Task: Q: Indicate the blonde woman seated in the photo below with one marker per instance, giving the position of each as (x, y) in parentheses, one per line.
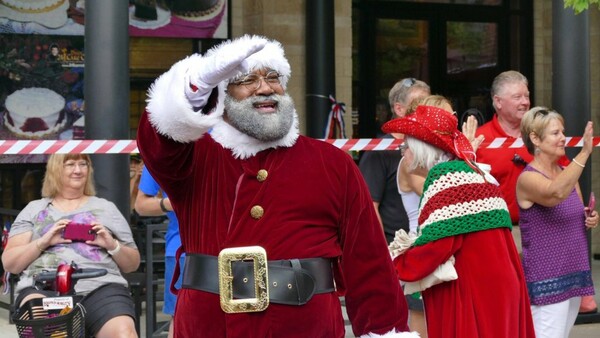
(36, 244)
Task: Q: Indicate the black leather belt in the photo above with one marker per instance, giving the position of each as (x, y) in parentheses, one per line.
(291, 282)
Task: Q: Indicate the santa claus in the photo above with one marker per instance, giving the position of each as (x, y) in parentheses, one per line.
(275, 226)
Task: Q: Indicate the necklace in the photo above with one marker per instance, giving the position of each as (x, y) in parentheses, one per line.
(69, 204)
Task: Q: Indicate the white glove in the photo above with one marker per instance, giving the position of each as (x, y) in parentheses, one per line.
(220, 64)
(402, 242)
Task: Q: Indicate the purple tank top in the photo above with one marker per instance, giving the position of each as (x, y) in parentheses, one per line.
(555, 251)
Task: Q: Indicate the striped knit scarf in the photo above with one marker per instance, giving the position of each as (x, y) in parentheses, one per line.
(457, 200)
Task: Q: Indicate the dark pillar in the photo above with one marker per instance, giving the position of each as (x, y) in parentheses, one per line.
(320, 65)
(107, 94)
(571, 94)
(571, 76)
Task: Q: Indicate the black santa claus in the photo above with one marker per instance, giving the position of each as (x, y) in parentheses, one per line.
(276, 226)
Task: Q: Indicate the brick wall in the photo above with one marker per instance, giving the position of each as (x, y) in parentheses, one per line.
(284, 21)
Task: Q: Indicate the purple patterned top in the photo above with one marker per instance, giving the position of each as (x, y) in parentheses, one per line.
(555, 251)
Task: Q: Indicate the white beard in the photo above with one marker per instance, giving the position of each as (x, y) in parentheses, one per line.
(243, 145)
(243, 116)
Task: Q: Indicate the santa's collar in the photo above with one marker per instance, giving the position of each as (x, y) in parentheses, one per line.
(244, 146)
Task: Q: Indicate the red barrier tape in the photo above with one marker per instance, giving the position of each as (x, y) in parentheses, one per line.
(28, 147)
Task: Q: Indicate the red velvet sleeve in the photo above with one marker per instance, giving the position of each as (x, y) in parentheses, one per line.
(168, 161)
(420, 261)
(374, 299)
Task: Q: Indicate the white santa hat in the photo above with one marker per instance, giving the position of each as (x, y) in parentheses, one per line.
(271, 56)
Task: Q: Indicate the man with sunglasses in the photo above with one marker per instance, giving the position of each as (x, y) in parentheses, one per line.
(275, 225)
(379, 168)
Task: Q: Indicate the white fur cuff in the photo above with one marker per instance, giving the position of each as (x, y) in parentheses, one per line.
(170, 111)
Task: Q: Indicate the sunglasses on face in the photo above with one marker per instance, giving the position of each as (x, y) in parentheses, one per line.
(542, 112)
(518, 160)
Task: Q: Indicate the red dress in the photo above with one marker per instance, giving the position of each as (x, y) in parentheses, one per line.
(315, 204)
(462, 215)
(489, 298)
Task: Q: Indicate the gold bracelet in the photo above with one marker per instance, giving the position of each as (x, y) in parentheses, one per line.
(579, 164)
(37, 244)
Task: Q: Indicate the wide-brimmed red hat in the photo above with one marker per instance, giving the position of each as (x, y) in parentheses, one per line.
(435, 126)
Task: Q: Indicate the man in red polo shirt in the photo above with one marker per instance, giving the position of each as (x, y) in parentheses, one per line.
(510, 97)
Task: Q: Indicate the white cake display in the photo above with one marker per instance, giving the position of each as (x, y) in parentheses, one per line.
(49, 13)
(34, 112)
(32, 6)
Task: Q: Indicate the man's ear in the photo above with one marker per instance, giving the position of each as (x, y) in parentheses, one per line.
(497, 104)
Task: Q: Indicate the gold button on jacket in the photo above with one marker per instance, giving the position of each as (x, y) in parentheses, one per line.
(262, 174)
(257, 212)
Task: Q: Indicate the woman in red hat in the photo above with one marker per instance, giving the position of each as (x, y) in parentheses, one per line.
(463, 260)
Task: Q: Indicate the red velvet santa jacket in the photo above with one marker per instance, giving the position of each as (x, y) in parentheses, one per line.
(315, 203)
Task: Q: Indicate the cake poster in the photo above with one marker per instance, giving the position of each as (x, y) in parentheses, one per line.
(41, 89)
(156, 18)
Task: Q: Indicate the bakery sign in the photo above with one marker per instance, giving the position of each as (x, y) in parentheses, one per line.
(157, 18)
(69, 57)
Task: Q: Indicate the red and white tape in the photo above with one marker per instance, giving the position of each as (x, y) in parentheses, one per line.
(29, 147)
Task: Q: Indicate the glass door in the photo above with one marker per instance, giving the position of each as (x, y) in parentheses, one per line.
(457, 49)
(401, 51)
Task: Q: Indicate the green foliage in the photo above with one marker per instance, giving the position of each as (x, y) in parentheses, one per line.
(580, 5)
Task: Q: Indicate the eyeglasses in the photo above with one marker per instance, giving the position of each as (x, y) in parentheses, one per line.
(252, 81)
(408, 82)
(71, 165)
(518, 160)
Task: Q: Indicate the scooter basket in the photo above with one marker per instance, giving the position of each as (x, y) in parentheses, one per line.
(33, 321)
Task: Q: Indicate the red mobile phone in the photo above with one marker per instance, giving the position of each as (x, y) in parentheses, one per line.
(591, 204)
(79, 232)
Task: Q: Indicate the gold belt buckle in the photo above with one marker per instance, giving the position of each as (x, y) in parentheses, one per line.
(259, 256)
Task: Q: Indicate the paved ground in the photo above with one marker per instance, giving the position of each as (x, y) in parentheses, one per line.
(579, 331)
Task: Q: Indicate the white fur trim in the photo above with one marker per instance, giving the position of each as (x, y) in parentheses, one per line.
(393, 334)
(244, 146)
(171, 113)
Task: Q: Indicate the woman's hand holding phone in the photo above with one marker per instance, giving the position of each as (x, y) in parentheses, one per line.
(591, 205)
(591, 215)
(79, 232)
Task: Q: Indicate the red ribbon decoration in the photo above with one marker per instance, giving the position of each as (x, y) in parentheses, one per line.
(335, 121)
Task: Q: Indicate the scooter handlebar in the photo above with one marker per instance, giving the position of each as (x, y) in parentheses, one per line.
(47, 276)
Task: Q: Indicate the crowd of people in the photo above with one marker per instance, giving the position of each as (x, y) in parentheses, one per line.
(268, 229)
